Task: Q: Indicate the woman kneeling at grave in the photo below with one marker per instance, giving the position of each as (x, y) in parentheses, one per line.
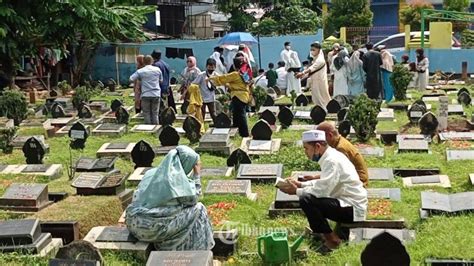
(165, 208)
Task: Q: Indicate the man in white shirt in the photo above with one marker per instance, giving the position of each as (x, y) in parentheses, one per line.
(337, 195)
(261, 79)
(150, 78)
(282, 81)
(293, 66)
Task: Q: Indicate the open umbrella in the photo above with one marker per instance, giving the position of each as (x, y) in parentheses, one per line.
(237, 38)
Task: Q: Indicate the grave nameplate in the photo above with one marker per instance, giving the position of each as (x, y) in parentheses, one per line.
(384, 193)
(364, 234)
(301, 100)
(455, 109)
(413, 137)
(260, 169)
(89, 180)
(460, 155)
(221, 171)
(214, 140)
(143, 154)
(385, 174)
(19, 141)
(456, 136)
(262, 130)
(413, 146)
(73, 262)
(25, 197)
(451, 203)
(116, 234)
(268, 116)
(181, 258)
(145, 128)
(19, 232)
(306, 115)
(285, 201)
(386, 114)
(117, 146)
(427, 179)
(229, 187)
(192, 128)
(260, 145)
(318, 114)
(104, 164)
(109, 127)
(36, 168)
(372, 151)
(222, 121)
(220, 131)
(169, 136)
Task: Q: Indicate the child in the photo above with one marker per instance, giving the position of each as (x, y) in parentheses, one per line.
(207, 88)
(272, 76)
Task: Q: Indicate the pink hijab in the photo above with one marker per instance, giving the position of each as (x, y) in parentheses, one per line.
(193, 63)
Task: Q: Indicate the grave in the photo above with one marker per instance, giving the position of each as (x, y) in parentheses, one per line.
(270, 117)
(386, 114)
(99, 105)
(78, 134)
(405, 172)
(64, 131)
(303, 115)
(50, 171)
(57, 110)
(301, 100)
(345, 129)
(337, 103)
(181, 258)
(215, 143)
(169, 139)
(464, 97)
(268, 101)
(284, 204)
(145, 128)
(122, 115)
(342, 114)
(219, 171)
(142, 154)
(104, 164)
(416, 111)
(428, 124)
(430, 98)
(223, 131)
(93, 122)
(427, 180)
(393, 194)
(19, 141)
(318, 114)
(261, 141)
(25, 198)
(285, 116)
(109, 129)
(381, 174)
(61, 122)
(117, 239)
(116, 149)
(231, 187)
(115, 104)
(302, 127)
(77, 253)
(266, 173)
(455, 109)
(138, 174)
(456, 136)
(238, 157)
(192, 127)
(85, 112)
(67, 231)
(35, 122)
(439, 203)
(453, 155)
(226, 243)
(414, 137)
(167, 117)
(93, 183)
(222, 121)
(413, 146)
(358, 235)
(388, 137)
(25, 236)
(34, 151)
(372, 151)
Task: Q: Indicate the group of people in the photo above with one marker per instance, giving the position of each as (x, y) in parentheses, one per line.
(166, 211)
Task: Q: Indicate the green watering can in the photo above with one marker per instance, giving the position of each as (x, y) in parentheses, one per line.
(276, 249)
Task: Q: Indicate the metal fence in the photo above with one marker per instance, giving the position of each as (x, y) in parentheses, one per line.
(363, 35)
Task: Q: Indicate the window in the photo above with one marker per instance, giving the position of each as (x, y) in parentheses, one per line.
(396, 42)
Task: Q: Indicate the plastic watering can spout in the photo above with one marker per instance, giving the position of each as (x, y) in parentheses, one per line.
(296, 244)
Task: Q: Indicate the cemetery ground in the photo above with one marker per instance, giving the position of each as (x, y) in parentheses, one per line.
(438, 236)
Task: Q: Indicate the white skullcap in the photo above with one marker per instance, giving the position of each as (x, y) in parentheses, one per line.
(314, 135)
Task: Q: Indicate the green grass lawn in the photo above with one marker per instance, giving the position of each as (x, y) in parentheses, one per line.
(438, 237)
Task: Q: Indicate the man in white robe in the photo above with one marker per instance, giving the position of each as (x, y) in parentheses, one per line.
(293, 66)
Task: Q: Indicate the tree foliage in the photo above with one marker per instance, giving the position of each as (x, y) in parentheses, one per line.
(348, 13)
(363, 117)
(291, 19)
(411, 14)
(13, 105)
(82, 24)
(456, 5)
(400, 79)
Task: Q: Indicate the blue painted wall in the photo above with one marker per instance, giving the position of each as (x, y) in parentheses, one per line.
(105, 68)
(385, 14)
(447, 60)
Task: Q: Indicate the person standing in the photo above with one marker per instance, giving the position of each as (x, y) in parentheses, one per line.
(355, 74)
(208, 90)
(282, 81)
(272, 76)
(338, 67)
(150, 78)
(261, 79)
(238, 83)
(136, 85)
(166, 91)
(372, 62)
(387, 69)
(217, 56)
(422, 64)
(317, 76)
(337, 195)
(188, 75)
(293, 66)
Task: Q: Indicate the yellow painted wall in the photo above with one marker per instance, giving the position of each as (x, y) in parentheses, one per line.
(402, 4)
(325, 9)
(440, 35)
(343, 34)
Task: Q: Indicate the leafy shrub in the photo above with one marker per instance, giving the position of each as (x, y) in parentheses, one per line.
(64, 87)
(411, 14)
(82, 95)
(294, 159)
(400, 79)
(6, 137)
(467, 39)
(260, 95)
(363, 117)
(13, 105)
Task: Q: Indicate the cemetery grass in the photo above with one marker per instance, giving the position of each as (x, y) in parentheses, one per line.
(438, 236)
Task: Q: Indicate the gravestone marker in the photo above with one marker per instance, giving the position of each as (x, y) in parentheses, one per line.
(455, 109)
(104, 164)
(337, 103)
(385, 174)
(260, 172)
(425, 179)
(220, 131)
(428, 180)
(145, 128)
(260, 145)
(413, 146)
(182, 258)
(385, 247)
(262, 131)
(77, 253)
(301, 100)
(114, 106)
(342, 114)
(386, 114)
(218, 143)
(303, 115)
(464, 98)
(68, 231)
(94, 183)
(238, 157)
(168, 116)
(269, 101)
(169, 136)
(36, 168)
(25, 197)
(452, 135)
(222, 121)
(89, 180)
(142, 154)
(34, 151)
(344, 128)
(318, 114)
(122, 115)
(428, 124)
(109, 129)
(219, 171)
(57, 110)
(285, 201)
(364, 234)
(85, 112)
(285, 116)
(238, 187)
(78, 135)
(415, 112)
(24, 236)
(192, 127)
(115, 149)
(269, 116)
(388, 137)
(384, 193)
(435, 202)
(459, 155)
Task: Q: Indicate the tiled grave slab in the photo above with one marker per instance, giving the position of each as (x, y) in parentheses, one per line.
(453, 155)
(372, 151)
(109, 129)
(234, 187)
(406, 145)
(260, 172)
(218, 171)
(366, 234)
(393, 194)
(115, 149)
(382, 174)
(181, 258)
(428, 180)
(52, 171)
(468, 136)
(145, 128)
(255, 147)
(138, 174)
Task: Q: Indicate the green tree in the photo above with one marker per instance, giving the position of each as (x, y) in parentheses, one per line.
(347, 13)
(294, 19)
(456, 5)
(70, 25)
(411, 14)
